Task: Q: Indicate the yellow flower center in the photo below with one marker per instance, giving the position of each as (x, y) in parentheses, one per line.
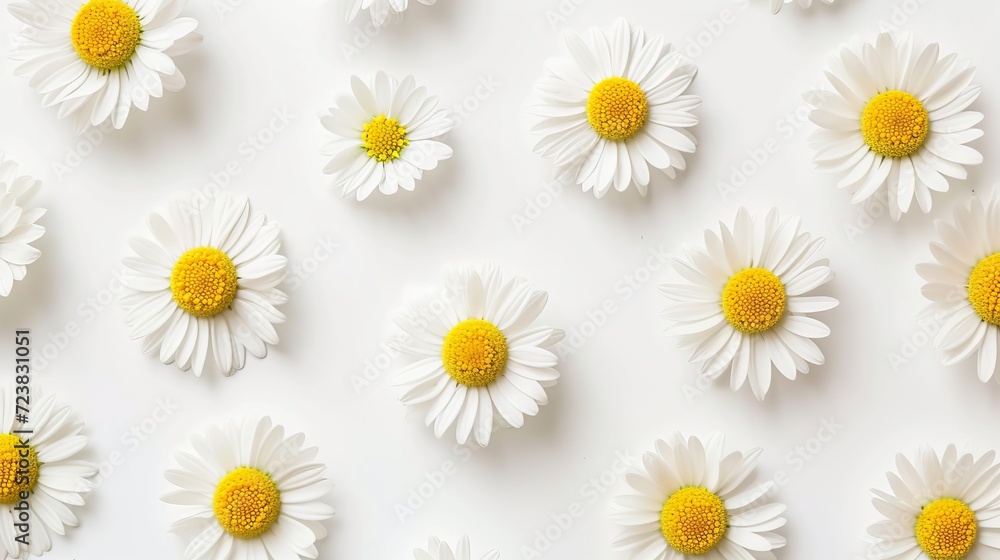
(204, 281)
(18, 468)
(946, 529)
(894, 124)
(694, 520)
(247, 502)
(474, 352)
(106, 33)
(753, 300)
(617, 108)
(384, 139)
(984, 289)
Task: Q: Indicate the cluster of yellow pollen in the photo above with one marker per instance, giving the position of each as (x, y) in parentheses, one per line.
(894, 124)
(18, 468)
(617, 108)
(105, 33)
(984, 289)
(247, 502)
(694, 520)
(753, 300)
(474, 352)
(204, 282)
(946, 529)
(384, 139)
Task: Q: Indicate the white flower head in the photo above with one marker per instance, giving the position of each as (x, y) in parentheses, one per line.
(18, 227)
(896, 118)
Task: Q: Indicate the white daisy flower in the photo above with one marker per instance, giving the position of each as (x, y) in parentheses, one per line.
(17, 224)
(381, 10)
(615, 109)
(941, 508)
(694, 501)
(776, 4)
(386, 136)
(202, 285)
(962, 283)
(479, 354)
(742, 301)
(437, 550)
(249, 492)
(95, 59)
(896, 117)
(37, 467)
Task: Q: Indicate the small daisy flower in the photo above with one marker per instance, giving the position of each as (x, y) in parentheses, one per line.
(616, 108)
(17, 224)
(437, 550)
(249, 492)
(479, 355)
(776, 4)
(37, 465)
(96, 59)
(386, 136)
(896, 118)
(694, 501)
(962, 284)
(743, 300)
(381, 10)
(940, 508)
(203, 284)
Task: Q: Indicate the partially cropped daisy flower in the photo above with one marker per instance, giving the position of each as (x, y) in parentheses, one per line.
(479, 354)
(249, 492)
(616, 108)
(38, 470)
(380, 10)
(437, 550)
(963, 283)
(692, 500)
(386, 136)
(17, 224)
(897, 117)
(203, 284)
(95, 59)
(776, 4)
(743, 300)
(940, 508)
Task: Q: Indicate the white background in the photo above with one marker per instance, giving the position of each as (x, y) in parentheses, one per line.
(619, 392)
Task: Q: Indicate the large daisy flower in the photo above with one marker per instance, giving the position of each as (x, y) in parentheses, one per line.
(943, 507)
(17, 224)
(380, 10)
(37, 466)
(437, 550)
(386, 136)
(203, 284)
(742, 301)
(962, 283)
(896, 117)
(694, 501)
(776, 4)
(615, 109)
(249, 492)
(95, 59)
(479, 354)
